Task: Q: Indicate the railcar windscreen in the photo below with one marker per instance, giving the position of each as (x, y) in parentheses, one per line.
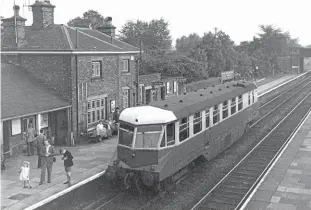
(148, 136)
(126, 133)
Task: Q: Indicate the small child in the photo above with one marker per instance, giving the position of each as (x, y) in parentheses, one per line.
(24, 173)
(68, 163)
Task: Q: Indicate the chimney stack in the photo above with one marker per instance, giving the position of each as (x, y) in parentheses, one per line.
(43, 14)
(13, 30)
(107, 27)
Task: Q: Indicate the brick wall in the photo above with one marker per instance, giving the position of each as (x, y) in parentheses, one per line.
(53, 71)
(8, 39)
(42, 16)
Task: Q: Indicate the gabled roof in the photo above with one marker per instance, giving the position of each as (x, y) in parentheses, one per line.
(21, 95)
(185, 105)
(63, 38)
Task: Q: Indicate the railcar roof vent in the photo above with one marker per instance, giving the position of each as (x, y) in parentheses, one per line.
(204, 88)
(219, 89)
(227, 86)
(211, 91)
(239, 85)
(180, 101)
(213, 85)
(136, 120)
(201, 94)
(184, 93)
(165, 105)
(195, 90)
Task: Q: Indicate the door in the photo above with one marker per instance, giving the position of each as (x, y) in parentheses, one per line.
(61, 128)
(6, 135)
(26, 121)
(148, 96)
(163, 92)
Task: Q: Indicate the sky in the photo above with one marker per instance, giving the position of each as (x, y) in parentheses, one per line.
(240, 19)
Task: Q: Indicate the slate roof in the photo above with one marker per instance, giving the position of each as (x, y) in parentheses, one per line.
(21, 95)
(62, 37)
(185, 105)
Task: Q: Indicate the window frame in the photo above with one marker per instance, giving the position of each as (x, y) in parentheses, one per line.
(207, 118)
(249, 98)
(187, 127)
(216, 114)
(197, 120)
(127, 62)
(100, 73)
(225, 110)
(126, 99)
(233, 105)
(240, 102)
(96, 113)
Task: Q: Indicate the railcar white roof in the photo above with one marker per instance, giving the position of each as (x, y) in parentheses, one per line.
(144, 115)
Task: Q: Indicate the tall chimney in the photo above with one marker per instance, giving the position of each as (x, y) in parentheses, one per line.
(107, 27)
(43, 14)
(13, 30)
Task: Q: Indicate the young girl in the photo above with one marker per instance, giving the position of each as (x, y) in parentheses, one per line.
(24, 173)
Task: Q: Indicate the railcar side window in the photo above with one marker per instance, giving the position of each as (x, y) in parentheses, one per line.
(197, 122)
(207, 118)
(184, 129)
(249, 98)
(126, 133)
(148, 136)
(170, 128)
(215, 114)
(224, 109)
(240, 103)
(253, 97)
(233, 106)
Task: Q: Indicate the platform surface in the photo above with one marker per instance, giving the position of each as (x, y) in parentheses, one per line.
(288, 184)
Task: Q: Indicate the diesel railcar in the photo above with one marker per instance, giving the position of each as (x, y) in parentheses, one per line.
(156, 143)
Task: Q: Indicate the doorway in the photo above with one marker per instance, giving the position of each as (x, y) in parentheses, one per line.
(6, 136)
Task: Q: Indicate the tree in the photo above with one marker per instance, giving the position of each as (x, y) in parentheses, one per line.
(90, 18)
(216, 50)
(186, 43)
(154, 35)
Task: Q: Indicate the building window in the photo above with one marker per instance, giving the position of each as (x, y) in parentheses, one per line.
(126, 65)
(167, 87)
(215, 114)
(184, 129)
(175, 87)
(233, 106)
(170, 128)
(197, 122)
(126, 98)
(16, 126)
(96, 69)
(207, 118)
(240, 103)
(249, 98)
(224, 109)
(96, 110)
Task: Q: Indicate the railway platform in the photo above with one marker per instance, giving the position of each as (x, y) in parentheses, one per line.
(90, 162)
(288, 184)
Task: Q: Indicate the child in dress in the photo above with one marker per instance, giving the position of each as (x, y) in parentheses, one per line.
(24, 173)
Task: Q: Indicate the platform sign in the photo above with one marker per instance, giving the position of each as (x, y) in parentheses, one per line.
(227, 75)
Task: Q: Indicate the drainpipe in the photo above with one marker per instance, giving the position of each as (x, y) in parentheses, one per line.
(77, 95)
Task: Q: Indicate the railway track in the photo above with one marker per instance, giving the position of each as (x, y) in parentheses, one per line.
(233, 190)
(267, 110)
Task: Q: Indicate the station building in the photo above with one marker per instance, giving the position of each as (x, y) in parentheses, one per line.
(84, 73)
(155, 87)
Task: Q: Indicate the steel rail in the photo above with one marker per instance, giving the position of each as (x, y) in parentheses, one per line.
(248, 155)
